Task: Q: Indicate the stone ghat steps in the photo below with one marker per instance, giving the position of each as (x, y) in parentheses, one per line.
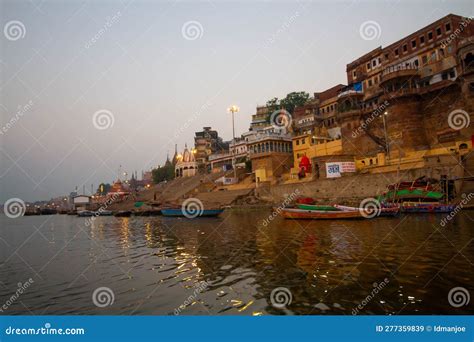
(221, 198)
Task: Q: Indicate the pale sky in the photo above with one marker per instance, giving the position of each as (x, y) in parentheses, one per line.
(66, 60)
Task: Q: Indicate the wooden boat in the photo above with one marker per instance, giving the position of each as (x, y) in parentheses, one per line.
(85, 213)
(301, 214)
(426, 207)
(123, 213)
(305, 200)
(383, 211)
(317, 207)
(180, 213)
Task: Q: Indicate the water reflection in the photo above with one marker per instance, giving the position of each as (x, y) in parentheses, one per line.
(154, 264)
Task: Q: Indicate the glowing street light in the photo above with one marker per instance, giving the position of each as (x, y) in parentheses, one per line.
(233, 109)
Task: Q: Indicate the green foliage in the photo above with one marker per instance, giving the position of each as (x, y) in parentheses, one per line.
(289, 103)
(163, 173)
(293, 100)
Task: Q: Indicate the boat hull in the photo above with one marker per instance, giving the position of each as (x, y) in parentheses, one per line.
(427, 208)
(300, 214)
(180, 213)
(391, 211)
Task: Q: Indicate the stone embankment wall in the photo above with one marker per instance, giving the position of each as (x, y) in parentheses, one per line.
(351, 189)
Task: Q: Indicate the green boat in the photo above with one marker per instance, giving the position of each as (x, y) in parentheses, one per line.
(317, 207)
(412, 193)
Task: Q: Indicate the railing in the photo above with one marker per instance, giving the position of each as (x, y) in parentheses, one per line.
(399, 67)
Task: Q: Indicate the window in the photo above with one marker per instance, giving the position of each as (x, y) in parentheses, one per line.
(438, 31)
(386, 56)
(424, 59)
(396, 52)
(374, 63)
(441, 52)
(433, 56)
(450, 49)
(422, 40)
(430, 36)
(415, 63)
(354, 74)
(368, 66)
(452, 74)
(444, 76)
(297, 142)
(370, 83)
(303, 141)
(447, 26)
(405, 48)
(413, 44)
(376, 79)
(380, 60)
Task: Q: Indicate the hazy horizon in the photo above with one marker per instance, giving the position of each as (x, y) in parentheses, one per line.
(162, 71)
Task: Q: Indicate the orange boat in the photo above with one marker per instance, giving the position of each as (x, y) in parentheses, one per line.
(301, 214)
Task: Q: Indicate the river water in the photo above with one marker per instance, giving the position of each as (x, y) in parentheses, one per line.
(231, 265)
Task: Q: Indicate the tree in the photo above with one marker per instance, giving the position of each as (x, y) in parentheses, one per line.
(293, 100)
(163, 173)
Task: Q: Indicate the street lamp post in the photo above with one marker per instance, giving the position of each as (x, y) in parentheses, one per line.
(233, 109)
(387, 146)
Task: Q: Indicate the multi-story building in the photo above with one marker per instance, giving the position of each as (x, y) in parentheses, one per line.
(270, 152)
(400, 98)
(260, 119)
(206, 143)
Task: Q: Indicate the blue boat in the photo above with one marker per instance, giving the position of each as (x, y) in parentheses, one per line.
(181, 213)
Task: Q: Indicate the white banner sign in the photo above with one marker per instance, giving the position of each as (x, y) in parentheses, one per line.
(333, 170)
(336, 168)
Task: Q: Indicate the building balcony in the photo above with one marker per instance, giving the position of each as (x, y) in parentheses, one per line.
(399, 71)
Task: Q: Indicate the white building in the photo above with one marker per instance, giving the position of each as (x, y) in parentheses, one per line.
(186, 165)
